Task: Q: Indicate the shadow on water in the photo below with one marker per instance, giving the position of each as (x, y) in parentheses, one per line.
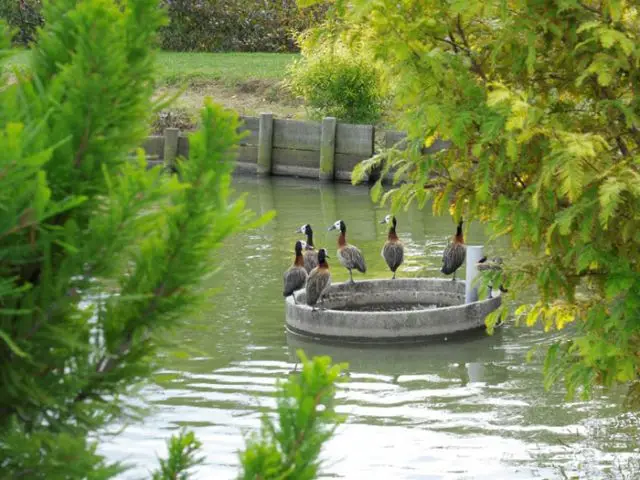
(466, 354)
(454, 410)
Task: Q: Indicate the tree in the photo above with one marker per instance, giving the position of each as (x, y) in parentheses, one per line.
(290, 447)
(286, 449)
(540, 101)
(98, 255)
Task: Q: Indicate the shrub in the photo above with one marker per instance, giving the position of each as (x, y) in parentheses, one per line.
(236, 25)
(202, 25)
(338, 84)
(98, 255)
(23, 16)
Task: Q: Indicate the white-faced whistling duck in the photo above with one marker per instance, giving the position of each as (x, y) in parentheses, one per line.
(310, 253)
(455, 254)
(319, 279)
(393, 249)
(348, 255)
(495, 264)
(296, 276)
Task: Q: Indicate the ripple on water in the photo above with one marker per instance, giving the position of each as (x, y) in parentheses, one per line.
(473, 409)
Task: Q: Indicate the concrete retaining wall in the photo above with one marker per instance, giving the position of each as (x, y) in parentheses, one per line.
(327, 150)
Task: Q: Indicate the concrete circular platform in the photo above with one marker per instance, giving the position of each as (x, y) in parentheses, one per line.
(400, 310)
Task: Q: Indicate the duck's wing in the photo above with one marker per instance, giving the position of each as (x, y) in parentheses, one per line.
(353, 257)
(452, 257)
(310, 260)
(316, 283)
(294, 279)
(393, 254)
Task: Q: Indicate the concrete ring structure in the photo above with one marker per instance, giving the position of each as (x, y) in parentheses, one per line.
(400, 310)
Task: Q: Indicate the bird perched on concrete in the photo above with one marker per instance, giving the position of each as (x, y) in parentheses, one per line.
(495, 264)
(455, 253)
(310, 253)
(393, 249)
(349, 255)
(296, 276)
(319, 280)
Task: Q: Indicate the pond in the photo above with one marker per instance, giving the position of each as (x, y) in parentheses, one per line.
(470, 409)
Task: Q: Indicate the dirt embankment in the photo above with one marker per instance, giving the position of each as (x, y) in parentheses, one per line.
(247, 98)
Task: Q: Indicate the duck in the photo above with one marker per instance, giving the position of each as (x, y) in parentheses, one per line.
(455, 253)
(319, 280)
(296, 276)
(349, 255)
(495, 264)
(393, 249)
(310, 253)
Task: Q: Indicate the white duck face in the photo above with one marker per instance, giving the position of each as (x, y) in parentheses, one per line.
(387, 219)
(336, 226)
(303, 229)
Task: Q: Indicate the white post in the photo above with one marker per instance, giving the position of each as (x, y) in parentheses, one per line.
(474, 254)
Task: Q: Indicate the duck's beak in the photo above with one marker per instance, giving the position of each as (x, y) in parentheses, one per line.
(332, 227)
(383, 221)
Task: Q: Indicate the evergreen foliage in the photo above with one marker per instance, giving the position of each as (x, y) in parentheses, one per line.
(290, 447)
(182, 450)
(287, 448)
(540, 99)
(98, 254)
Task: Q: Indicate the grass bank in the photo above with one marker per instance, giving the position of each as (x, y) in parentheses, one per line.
(227, 68)
(249, 83)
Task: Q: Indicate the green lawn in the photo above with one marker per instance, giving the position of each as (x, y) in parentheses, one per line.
(19, 59)
(229, 68)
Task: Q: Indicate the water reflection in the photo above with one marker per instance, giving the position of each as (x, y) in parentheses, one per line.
(463, 409)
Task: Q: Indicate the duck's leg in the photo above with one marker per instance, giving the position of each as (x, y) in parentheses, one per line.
(394, 276)
(351, 277)
(454, 276)
(294, 298)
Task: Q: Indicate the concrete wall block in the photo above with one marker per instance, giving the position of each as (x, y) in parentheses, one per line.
(244, 167)
(171, 136)
(183, 146)
(265, 144)
(393, 137)
(252, 126)
(355, 139)
(295, 171)
(283, 157)
(154, 146)
(248, 154)
(297, 135)
(328, 149)
(345, 164)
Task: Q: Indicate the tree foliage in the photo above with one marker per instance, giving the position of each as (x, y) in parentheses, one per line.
(539, 99)
(201, 25)
(236, 25)
(335, 82)
(287, 448)
(306, 419)
(24, 16)
(98, 254)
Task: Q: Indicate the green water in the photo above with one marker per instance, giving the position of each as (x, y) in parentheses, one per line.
(473, 409)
